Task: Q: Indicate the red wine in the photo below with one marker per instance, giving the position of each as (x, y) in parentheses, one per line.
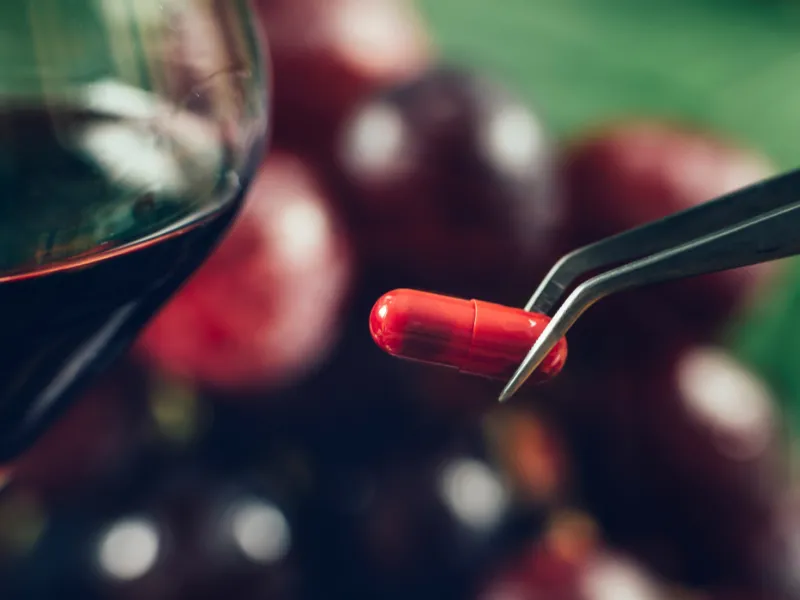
(104, 215)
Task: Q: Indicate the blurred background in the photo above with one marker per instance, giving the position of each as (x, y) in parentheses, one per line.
(256, 444)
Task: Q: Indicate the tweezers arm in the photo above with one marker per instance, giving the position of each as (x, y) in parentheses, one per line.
(771, 236)
(667, 233)
(754, 225)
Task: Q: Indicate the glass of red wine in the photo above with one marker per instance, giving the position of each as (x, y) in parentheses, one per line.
(129, 131)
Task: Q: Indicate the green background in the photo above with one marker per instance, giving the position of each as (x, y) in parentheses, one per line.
(731, 65)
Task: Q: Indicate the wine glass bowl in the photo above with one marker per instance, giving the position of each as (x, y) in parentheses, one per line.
(129, 131)
(111, 136)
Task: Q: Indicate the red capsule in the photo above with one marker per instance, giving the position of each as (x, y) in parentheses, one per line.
(473, 336)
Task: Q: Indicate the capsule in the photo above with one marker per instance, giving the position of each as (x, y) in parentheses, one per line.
(472, 336)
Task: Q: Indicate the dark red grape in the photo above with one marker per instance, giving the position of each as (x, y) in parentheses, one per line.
(265, 308)
(777, 547)
(243, 543)
(550, 571)
(424, 517)
(449, 180)
(174, 532)
(680, 461)
(632, 173)
(716, 444)
(328, 54)
(96, 437)
(431, 515)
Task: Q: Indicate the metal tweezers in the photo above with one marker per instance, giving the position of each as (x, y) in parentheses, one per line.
(756, 224)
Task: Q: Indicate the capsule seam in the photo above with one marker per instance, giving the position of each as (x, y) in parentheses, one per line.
(468, 362)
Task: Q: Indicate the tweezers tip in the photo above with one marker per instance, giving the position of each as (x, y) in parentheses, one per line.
(508, 391)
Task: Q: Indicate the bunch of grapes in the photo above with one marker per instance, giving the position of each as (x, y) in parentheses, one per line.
(257, 445)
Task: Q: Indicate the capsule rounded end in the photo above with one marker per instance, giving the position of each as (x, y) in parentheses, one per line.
(386, 322)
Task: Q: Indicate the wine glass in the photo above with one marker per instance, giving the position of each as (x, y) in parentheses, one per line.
(129, 131)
